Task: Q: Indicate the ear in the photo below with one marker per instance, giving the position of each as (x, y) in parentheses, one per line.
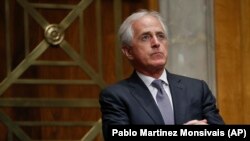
(127, 51)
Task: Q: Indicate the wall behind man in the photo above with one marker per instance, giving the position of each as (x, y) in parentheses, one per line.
(210, 40)
(232, 22)
(190, 28)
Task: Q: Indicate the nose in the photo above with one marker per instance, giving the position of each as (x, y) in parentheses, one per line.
(155, 42)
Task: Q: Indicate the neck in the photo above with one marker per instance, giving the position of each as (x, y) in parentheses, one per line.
(152, 73)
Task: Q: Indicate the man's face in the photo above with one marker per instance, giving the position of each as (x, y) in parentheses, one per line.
(148, 51)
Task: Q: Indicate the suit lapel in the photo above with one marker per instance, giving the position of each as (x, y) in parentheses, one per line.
(178, 96)
(141, 93)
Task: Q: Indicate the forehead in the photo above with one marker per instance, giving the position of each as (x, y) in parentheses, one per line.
(147, 23)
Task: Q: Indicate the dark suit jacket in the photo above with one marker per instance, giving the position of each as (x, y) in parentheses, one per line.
(130, 102)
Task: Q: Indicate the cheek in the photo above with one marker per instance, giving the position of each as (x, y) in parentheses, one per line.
(141, 51)
(165, 49)
(144, 53)
(166, 53)
(140, 56)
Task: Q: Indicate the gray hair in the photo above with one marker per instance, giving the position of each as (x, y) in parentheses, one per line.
(126, 31)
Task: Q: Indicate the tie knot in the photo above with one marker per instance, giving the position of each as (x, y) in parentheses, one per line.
(157, 83)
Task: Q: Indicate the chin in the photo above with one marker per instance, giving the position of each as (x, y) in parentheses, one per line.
(160, 63)
(159, 66)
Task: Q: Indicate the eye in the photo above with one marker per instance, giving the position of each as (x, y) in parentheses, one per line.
(161, 36)
(145, 37)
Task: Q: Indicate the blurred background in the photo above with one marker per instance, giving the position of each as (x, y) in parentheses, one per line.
(56, 56)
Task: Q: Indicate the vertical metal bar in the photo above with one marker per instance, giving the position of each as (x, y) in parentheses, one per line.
(99, 36)
(8, 34)
(81, 34)
(26, 33)
(118, 17)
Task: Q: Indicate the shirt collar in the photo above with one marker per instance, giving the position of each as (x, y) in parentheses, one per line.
(148, 79)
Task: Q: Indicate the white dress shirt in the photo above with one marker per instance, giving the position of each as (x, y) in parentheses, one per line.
(148, 82)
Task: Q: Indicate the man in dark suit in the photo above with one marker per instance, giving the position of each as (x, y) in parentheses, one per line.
(134, 100)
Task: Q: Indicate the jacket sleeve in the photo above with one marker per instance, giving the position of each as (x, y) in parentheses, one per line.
(209, 108)
(113, 110)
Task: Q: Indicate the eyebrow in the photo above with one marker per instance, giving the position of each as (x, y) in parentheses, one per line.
(148, 32)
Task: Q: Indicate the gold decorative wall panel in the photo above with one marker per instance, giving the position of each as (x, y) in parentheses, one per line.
(50, 34)
(56, 56)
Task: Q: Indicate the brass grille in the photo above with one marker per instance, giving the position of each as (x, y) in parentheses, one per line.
(54, 35)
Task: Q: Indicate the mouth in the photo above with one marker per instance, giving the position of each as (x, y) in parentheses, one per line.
(157, 53)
